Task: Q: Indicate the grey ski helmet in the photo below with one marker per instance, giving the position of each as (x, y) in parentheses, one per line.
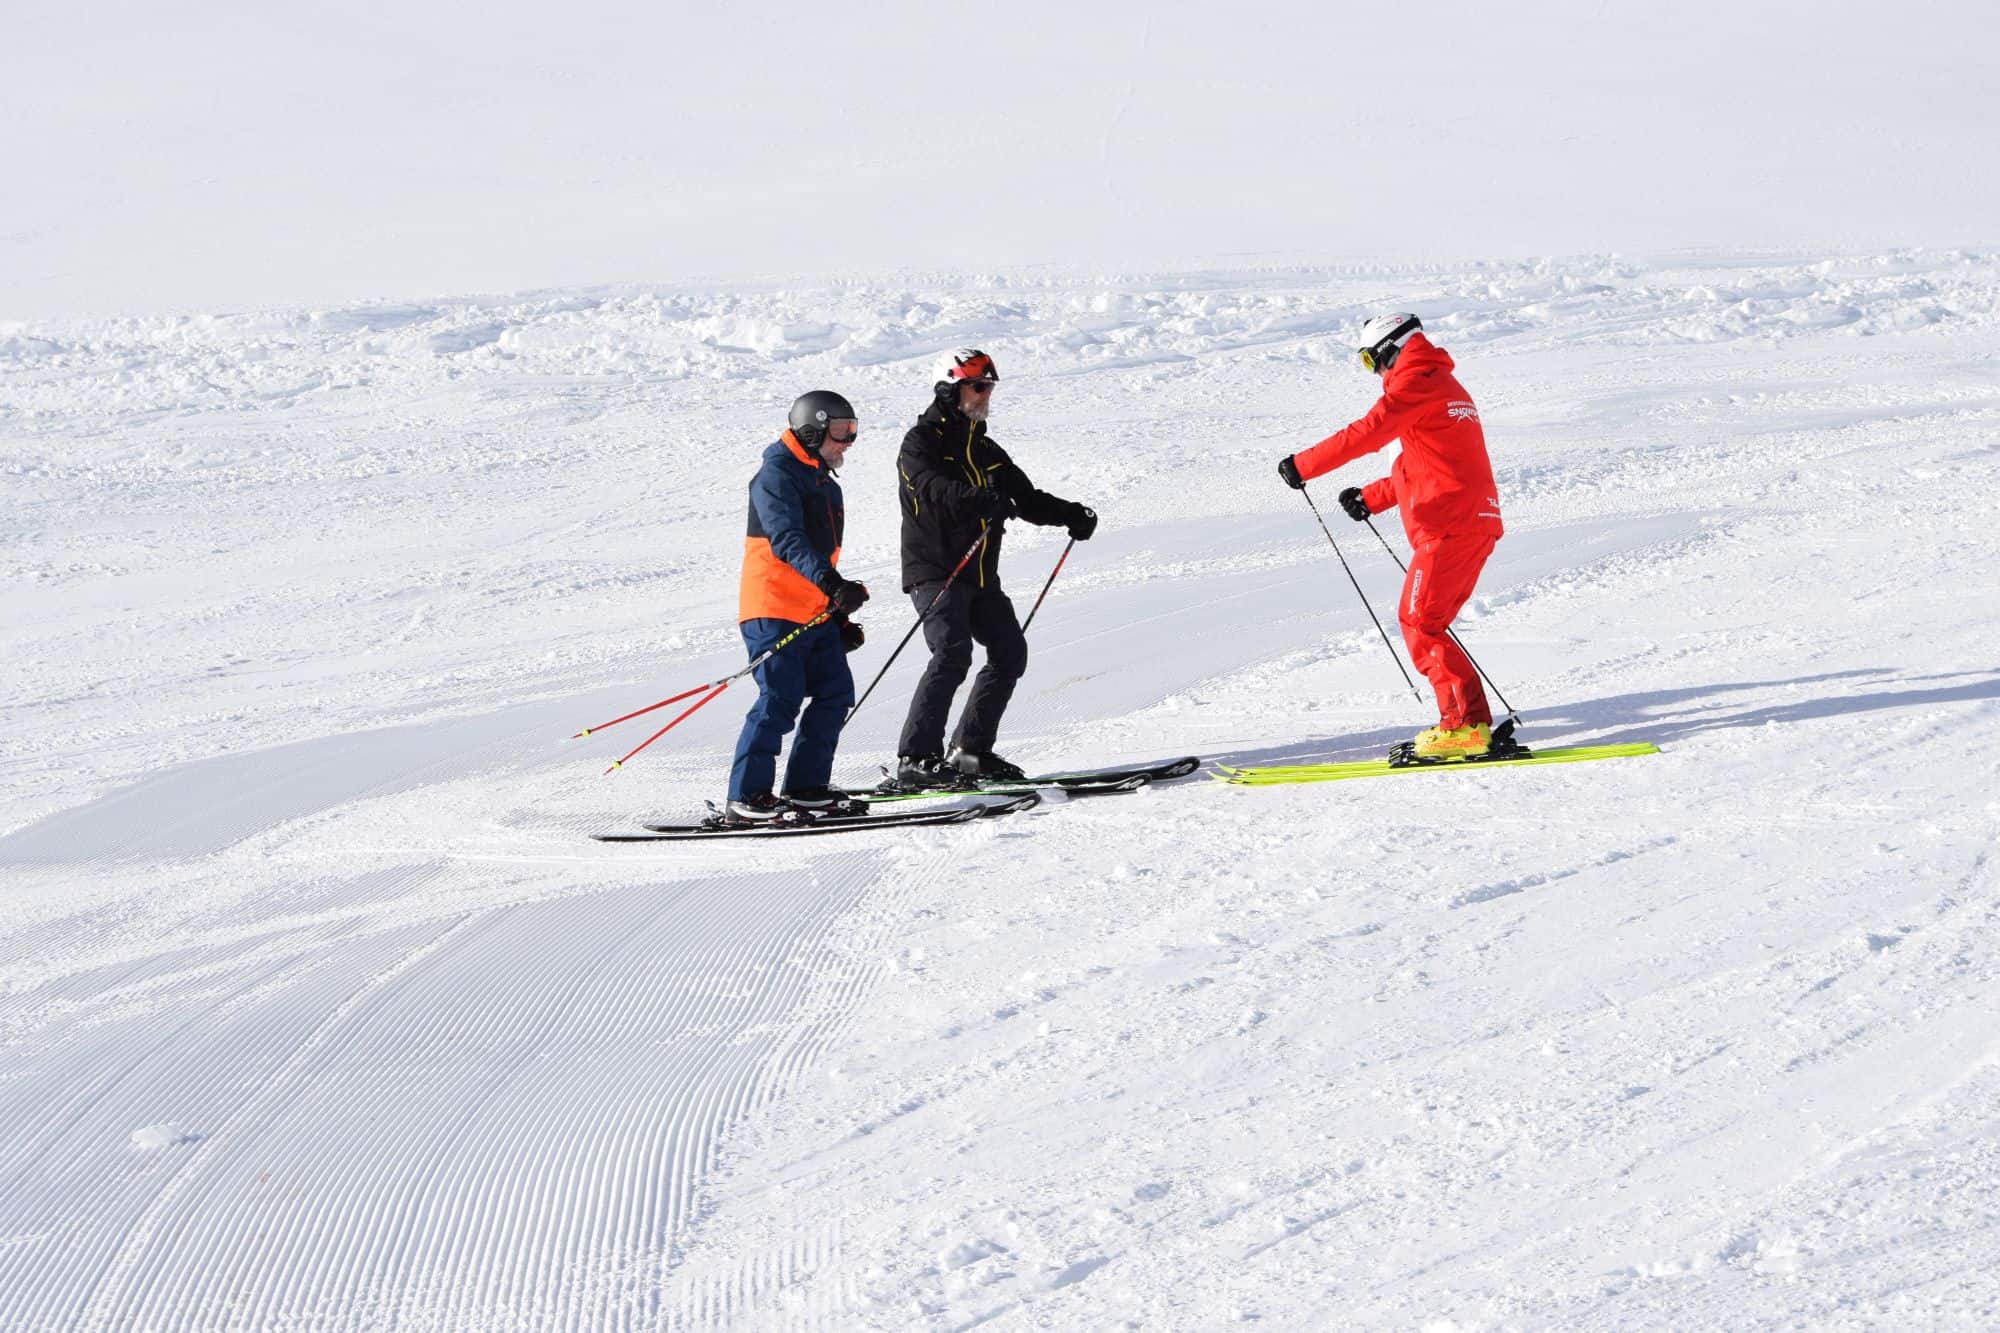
(813, 412)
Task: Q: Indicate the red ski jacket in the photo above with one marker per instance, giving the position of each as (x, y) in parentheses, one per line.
(1443, 479)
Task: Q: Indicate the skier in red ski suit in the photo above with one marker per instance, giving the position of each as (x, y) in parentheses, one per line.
(1443, 481)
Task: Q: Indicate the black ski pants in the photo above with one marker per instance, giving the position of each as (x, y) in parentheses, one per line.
(966, 616)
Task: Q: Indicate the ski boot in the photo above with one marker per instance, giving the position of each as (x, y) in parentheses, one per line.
(927, 772)
(761, 808)
(1444, 745)
(827, 802)
(988, 767)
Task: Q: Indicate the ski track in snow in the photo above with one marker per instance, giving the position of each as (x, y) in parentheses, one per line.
(318, 1010)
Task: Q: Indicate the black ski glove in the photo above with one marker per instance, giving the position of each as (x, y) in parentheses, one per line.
(1356, 507)
(843, 595)
(988, 503)
(1082, 522)
(1289, 470)
(851, 636)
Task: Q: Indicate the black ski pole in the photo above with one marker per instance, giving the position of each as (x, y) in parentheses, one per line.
(970, 551)
(1362, 595)
(1045, 587)
(1448, 629)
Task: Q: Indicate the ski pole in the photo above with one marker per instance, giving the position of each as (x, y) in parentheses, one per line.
(970, 551)
(1448, 629)
(640, 712)
(714, 688)
(1362, 595)
(1045, 587)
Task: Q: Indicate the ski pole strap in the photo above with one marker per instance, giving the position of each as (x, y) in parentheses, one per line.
(963, 560)
(1362, 595)
(1045, 587)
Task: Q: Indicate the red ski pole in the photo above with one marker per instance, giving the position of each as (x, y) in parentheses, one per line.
(714, 688)
(1045, 587)
(640, 712)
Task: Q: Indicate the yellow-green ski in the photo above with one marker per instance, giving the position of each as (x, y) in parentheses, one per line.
(1375, 768)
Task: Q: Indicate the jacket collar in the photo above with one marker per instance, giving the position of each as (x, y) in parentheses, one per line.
(798, 451)
(944, 413)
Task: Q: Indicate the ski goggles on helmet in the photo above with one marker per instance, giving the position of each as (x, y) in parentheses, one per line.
(843, 430)
(1381, 355)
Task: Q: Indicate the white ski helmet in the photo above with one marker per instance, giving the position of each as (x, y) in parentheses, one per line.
(960, 365)
(1382, 339)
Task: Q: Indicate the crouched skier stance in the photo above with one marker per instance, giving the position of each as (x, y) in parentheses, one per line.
(790, 557)
(1443, 482)
(956, 484)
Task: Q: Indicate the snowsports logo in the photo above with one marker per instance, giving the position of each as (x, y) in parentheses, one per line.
(1458, 409)
(1416, 588)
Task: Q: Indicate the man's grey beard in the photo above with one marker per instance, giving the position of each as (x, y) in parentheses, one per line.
(976, 409)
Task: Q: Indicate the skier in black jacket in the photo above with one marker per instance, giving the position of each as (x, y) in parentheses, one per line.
(957, 484)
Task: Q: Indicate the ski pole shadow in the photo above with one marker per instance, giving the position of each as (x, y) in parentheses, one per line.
(1665, 716)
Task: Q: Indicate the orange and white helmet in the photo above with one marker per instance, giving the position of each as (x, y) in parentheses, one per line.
(963, 365)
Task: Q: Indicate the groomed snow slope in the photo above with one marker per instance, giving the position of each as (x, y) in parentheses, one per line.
(318, 1009)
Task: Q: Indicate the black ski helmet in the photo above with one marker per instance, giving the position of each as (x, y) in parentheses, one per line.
(813, 412)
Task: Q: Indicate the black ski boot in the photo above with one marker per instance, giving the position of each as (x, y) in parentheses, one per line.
(834, 801)
(988, 767)
(927, 772)
(762, 808)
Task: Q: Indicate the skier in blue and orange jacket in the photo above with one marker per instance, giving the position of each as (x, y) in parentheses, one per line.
(1443, 482)
(791, 557)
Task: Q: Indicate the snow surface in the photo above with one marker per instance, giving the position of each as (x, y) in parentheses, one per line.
(319, 1011)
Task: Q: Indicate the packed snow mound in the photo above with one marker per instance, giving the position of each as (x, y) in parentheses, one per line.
(1049, 326)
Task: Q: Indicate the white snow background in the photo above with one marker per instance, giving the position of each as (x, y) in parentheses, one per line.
(320, 1011)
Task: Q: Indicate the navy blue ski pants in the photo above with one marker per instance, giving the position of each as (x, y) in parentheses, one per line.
(811, 666)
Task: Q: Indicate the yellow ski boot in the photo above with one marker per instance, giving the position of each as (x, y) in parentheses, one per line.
(1470, 741)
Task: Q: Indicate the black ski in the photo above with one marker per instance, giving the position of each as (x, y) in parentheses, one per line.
(1083, 782)
(808, 826)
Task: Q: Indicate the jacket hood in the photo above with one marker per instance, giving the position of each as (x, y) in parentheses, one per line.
(1419, 355)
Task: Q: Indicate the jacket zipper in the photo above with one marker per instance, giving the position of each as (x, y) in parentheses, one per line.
(978, 479)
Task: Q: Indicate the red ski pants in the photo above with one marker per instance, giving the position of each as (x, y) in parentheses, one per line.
(1441, 578)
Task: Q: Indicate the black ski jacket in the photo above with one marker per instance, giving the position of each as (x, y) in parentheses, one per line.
(945, 460)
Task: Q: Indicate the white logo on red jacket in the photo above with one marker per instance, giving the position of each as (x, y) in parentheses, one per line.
(1460, 410)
